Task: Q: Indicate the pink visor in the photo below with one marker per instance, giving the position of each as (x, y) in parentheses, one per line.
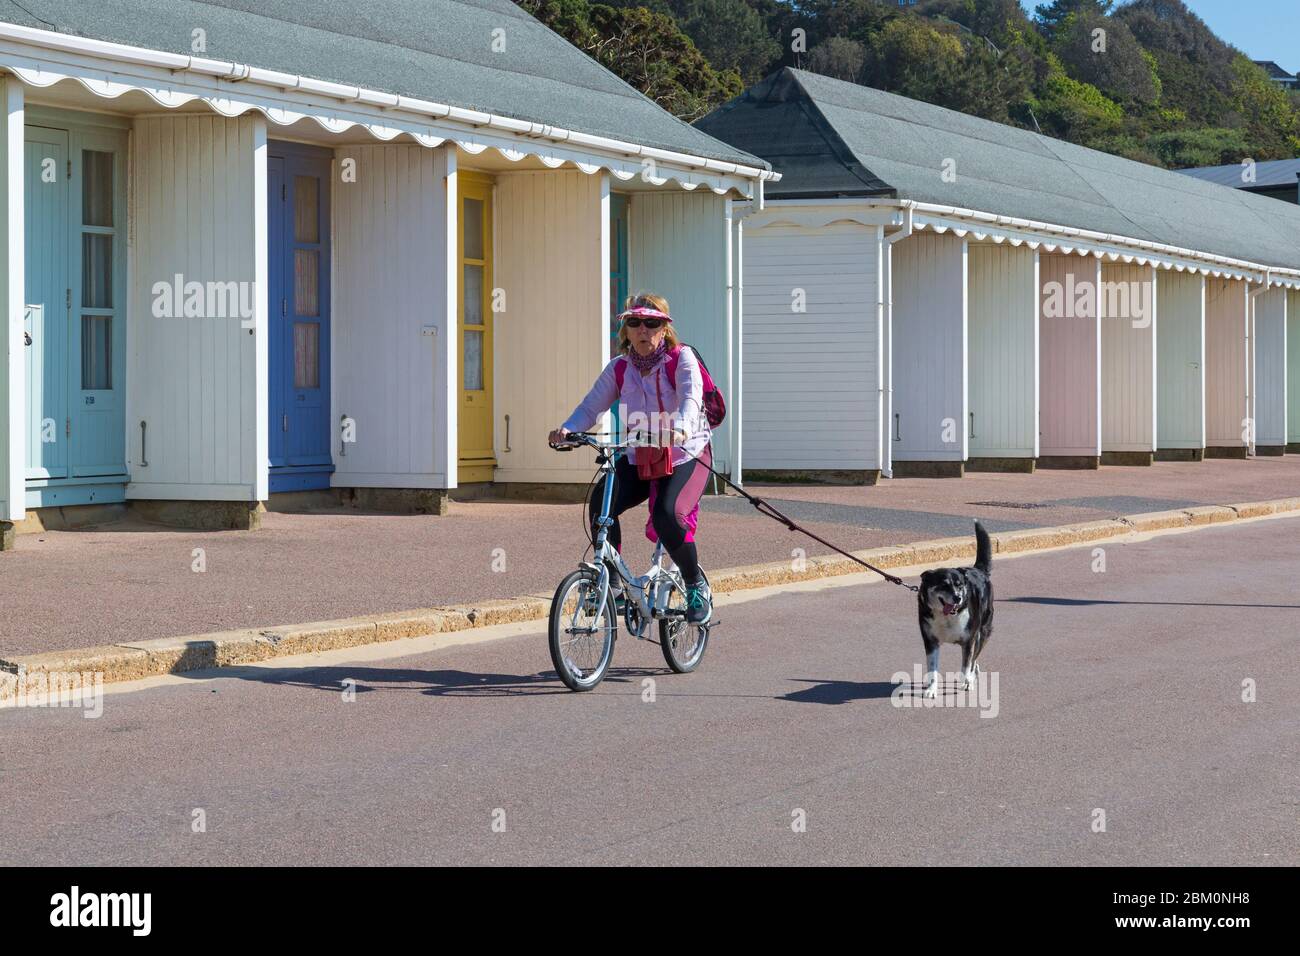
(645, 312)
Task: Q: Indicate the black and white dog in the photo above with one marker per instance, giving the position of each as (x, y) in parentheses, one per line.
(956, 607)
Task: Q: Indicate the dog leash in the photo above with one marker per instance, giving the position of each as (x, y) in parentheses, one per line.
(767, 508)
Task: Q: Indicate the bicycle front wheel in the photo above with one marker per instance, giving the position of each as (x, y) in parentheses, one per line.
(683, 644)
(581, 633)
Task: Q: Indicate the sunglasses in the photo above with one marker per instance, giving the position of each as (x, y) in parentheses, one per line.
(635, 323)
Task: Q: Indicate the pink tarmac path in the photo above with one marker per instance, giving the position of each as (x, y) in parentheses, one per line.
(132, 581)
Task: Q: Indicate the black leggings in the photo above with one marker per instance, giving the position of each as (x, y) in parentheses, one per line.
(675, 494)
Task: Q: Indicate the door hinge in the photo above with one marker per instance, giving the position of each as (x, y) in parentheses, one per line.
(284, 306)
(67, 427)
(284, 191)
(67, 299)
(284, 422)
(69, 169)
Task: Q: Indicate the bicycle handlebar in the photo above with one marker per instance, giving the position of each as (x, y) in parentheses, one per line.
(574, 439)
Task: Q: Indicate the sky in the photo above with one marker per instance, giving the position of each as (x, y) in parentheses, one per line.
(1262, 29)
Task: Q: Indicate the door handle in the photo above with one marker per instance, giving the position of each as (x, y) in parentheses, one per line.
(27, 337)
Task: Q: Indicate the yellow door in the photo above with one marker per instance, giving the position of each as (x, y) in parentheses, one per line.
(475, 328)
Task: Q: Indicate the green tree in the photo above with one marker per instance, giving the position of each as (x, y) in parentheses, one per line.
(1078, 112)
(645, 49)
(1002, 22)
(1194, 66)
(730, 33)
(1051, 16)
(1266, 111)
(780, 18)
(1165, 90)
(1205, 146)
(839, 57)
(940, 65)
(1103, 51)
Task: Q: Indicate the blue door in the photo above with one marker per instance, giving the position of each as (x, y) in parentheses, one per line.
(298, 182)
(45, 320)
(74, 318)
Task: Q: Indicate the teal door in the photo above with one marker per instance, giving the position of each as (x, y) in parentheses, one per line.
(75, 190)
(96, 334)
(617, 278)
(617, 262)
(46, 316)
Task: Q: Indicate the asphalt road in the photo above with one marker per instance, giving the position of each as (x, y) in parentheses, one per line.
(1117, 691)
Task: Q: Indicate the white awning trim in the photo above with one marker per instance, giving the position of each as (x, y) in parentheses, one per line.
(986, 227)
(42, 58)
(1109, 248)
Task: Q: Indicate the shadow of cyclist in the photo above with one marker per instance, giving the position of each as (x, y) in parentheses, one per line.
(433, 683)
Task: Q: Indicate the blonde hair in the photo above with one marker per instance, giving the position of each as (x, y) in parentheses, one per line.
(647, 300)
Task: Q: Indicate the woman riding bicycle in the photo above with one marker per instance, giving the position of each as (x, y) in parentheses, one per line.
(646, 340)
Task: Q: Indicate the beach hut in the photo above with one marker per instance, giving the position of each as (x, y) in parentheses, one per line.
(928, 292)
(372, 250)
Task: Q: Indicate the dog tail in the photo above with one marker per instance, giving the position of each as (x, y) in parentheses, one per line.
(983, 550)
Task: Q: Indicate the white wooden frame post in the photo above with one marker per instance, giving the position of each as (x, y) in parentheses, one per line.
(261, 316)
(1038, 354)
(604, 328)
(13, 367)
(1155, 360)
(446, 452)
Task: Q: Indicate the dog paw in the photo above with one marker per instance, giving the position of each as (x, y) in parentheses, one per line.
(968, 678)
(932, 690)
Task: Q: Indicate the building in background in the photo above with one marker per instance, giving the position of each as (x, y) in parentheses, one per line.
(367, 249)
(1278, 75)
(927, 292)
(1277, 179)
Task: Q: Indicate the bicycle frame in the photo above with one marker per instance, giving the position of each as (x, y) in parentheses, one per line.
(651, 598)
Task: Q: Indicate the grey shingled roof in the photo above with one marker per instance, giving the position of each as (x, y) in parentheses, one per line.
(437, 50)
(1274, 71)
(877, 143)
(778, 120)
(1273, 173)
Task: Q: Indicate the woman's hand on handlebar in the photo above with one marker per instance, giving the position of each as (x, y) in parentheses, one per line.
(557, 436)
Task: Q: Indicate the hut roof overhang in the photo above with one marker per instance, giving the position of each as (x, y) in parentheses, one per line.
(480, 73)
(846, 141)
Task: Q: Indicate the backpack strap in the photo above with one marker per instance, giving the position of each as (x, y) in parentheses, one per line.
(620, 369)
(670, 365)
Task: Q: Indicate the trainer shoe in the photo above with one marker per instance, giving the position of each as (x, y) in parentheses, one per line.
(699, 603)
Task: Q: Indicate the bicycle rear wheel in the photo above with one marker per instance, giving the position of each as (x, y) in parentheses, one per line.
(581, 634)
(683, 644)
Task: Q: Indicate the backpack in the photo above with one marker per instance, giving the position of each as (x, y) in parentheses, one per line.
(715, 406)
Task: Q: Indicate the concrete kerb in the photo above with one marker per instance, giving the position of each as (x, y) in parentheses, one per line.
(139, 659)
